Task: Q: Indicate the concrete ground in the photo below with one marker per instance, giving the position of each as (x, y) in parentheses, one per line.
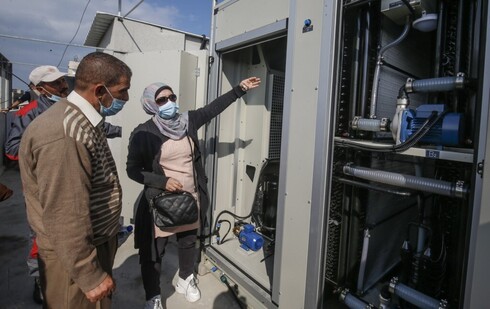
(16, 286)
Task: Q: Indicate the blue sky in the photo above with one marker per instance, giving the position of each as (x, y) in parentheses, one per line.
(58, 20)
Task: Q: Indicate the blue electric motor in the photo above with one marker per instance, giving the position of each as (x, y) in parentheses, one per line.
(250, 240)
(448, 131)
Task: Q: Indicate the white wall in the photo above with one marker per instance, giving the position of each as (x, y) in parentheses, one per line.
(132, 36)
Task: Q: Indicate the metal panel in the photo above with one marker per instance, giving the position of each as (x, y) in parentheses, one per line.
(187, 82)
(252, 35)
(298, 155)
(238, 17)
(478, 272)
(314, 287)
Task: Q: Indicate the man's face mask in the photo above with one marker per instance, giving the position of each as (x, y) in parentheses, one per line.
(52, 97)
(116, 106)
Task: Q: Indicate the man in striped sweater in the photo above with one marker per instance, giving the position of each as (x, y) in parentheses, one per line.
(72, 189)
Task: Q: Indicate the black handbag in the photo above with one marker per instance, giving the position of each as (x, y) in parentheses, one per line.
(171, 209)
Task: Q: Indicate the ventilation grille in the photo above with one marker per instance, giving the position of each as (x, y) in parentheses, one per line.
(276, 117)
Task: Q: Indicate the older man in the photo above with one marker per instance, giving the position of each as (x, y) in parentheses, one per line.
(72, 189)
(52, 86)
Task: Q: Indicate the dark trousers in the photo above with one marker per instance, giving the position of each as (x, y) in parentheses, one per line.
(150, 270)
(60, 291)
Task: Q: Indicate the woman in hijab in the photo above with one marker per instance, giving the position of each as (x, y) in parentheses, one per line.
(164, 154)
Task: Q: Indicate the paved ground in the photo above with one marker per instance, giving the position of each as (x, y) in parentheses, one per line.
(16, 286)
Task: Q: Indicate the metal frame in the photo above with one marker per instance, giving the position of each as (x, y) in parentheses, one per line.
(477, 271)
(322, 176)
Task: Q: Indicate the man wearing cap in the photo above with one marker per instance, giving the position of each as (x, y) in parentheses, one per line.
(51, 84)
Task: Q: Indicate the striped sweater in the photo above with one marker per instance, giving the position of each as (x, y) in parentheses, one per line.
(72, 190)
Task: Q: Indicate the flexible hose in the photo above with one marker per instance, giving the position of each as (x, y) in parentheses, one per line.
(405, 181)
(353, 302)
(435, 84)
(415, 297)
(373, 125)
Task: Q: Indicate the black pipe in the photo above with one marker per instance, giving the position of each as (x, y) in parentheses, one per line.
(372, 187)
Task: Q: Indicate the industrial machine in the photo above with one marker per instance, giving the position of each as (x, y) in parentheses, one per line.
(354, 176)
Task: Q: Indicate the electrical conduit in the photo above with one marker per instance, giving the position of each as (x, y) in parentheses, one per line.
(408, 181)
(440, 84)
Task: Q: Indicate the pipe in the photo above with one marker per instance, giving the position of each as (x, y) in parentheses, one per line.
(436, 84)
(415, 297)
(352, 301)
(385, 298)
(373, 125)
(363, 262)
(440, 187)
(371, 187)
(379, 63)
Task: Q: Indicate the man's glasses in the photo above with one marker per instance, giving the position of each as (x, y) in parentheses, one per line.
(163, 100)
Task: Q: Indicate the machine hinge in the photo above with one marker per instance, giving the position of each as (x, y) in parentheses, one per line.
(479, 168)
(197, 72)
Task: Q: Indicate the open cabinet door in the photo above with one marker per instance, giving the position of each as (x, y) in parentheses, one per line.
(247, 140)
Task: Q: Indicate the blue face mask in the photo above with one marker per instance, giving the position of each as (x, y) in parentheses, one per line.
(116, 106)
(168, 110)
(53, 98)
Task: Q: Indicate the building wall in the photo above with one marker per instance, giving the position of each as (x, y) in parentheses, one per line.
(132, 36)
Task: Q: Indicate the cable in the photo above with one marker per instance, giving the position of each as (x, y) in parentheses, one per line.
(222, 240)
(76, 32)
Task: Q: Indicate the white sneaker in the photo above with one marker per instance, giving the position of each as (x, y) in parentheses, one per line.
(154, 303)
(189, 288)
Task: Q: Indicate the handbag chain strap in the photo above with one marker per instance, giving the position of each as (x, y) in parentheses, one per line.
(193, 168)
